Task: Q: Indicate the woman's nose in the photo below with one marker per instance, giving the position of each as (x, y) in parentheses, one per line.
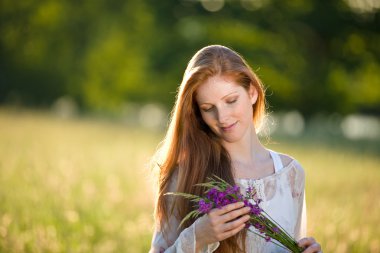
(222, 116)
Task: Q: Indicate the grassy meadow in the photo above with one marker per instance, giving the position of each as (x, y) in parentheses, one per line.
(83, 185)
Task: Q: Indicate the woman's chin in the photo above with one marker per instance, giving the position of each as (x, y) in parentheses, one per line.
(231, 139)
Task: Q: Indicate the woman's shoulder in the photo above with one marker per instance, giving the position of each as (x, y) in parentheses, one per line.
(293, 173)
(289, 161)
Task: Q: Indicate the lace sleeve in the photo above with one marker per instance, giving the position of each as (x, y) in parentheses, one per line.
(173, 241)
(185, 243)
(300, 231)
(301, 224)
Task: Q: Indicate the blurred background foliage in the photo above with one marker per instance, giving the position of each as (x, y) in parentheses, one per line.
(316, 56)
(80, 184)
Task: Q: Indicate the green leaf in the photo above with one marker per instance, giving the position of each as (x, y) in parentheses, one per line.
(182, 194)
(192, 214)
(207, 185)
(221, 180)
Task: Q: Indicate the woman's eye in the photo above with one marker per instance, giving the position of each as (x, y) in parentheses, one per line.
(207, 109)
(231, 101)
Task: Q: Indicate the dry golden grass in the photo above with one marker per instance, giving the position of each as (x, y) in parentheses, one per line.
(82, 185)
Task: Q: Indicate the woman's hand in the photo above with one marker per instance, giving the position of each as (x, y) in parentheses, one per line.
(220, 224)
(310, 245)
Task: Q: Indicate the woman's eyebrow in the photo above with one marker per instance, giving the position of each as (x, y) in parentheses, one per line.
(229, 94)
(221, 98)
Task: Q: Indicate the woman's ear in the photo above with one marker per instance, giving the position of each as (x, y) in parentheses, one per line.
(253, 94)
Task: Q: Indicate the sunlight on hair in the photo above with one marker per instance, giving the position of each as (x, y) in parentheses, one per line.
(269, 125)
(285, 123)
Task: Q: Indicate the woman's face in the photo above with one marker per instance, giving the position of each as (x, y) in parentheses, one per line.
(226, 107)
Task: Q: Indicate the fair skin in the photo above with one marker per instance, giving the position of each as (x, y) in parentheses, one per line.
(227, 109)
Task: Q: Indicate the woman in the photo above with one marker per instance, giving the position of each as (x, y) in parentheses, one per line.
(213, 131)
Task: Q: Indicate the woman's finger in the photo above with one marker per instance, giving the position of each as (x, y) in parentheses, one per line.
(234, 214)
(236, 223)
(310, 245)
(226, 209)
(313, 248)
(305, 242)
(231, 232)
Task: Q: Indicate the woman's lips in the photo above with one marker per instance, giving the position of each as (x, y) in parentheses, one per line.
(228, 128)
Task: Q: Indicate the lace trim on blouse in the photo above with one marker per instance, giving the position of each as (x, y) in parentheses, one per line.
(282, 194)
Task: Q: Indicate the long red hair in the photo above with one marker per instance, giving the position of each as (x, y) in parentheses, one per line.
(190, 147)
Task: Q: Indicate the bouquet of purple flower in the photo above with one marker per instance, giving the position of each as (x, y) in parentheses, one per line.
(220, 193)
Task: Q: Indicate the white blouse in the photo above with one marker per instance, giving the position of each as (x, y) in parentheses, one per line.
(283, 198)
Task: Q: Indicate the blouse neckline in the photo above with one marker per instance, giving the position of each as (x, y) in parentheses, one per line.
(276, 173)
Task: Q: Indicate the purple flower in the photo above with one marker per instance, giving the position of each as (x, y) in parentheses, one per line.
(226, 202)
(219, 193)
(236, 189)
(250, 192)
(204, 207)
(260, 227)
(255, 210)
(229, 190)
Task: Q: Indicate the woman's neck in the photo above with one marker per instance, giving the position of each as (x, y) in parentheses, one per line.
(248, 150)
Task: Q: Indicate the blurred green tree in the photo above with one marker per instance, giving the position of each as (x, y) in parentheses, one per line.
(314, 56)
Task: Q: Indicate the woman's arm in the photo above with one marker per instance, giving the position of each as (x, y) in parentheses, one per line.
(309, 243)
(185, 242)
(220, 224)
(205, 233)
